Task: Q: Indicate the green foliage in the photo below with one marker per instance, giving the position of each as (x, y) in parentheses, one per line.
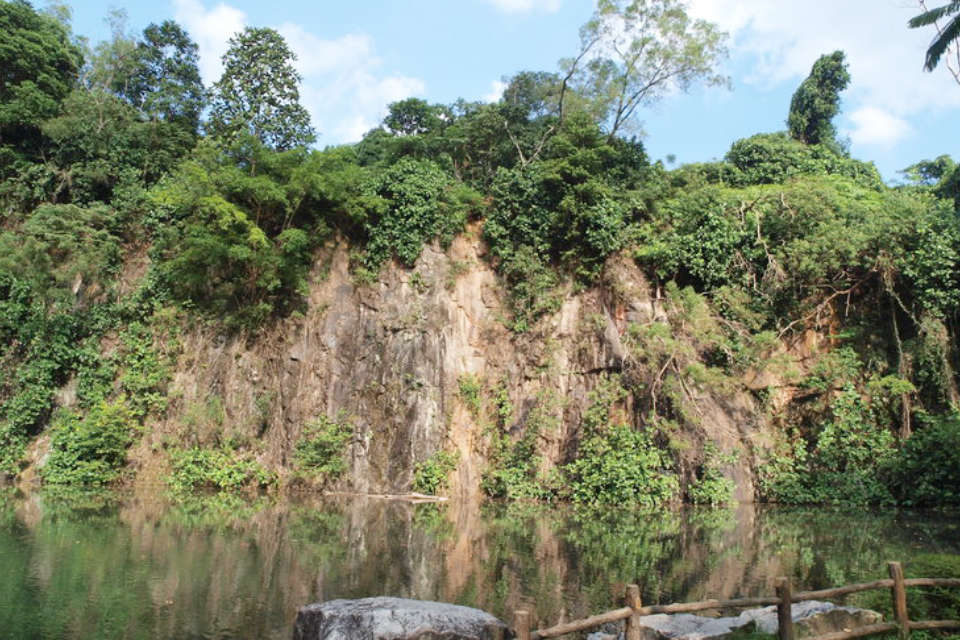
(144, 374)
(817, 100)
(419, 202)
(615, 463)
(711, 486)
(770, 158)
(514, 471)
(471, 392)
(321, 449)
(641, 50)
(90, 450)
(571, 210)
(166, 83)
(101, 143)
(412, 116)
(926, 470)
(947, 35)
(841, 463)
(61, 251)
(40, 63)
(430, 476)
(231, 250)
(258, 93)
(217, 469)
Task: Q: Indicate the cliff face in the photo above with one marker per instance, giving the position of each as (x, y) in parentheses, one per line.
(391, 355)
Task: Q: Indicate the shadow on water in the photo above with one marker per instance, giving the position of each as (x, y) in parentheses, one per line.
(112, 566)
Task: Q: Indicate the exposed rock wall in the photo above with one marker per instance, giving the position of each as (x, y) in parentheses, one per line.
(391, 354)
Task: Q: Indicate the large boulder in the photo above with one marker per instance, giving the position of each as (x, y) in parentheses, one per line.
(394, 619)
(810, 618)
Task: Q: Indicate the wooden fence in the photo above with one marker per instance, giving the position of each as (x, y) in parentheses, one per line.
(633, 609)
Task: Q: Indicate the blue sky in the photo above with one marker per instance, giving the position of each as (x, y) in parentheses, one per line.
(356, 57)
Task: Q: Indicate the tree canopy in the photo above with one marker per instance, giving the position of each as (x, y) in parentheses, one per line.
(39, 63)
(259, 93)
(166, 83)
(817, 100)
(633, 52)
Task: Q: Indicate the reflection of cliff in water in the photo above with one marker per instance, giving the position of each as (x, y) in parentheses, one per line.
(231, 568)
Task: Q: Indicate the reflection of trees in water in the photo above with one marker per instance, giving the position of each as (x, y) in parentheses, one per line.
(823, 547)
(229, 566)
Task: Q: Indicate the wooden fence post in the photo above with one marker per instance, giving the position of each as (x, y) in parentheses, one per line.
(785, 609)
(521, 624)
(899, 593)
(632, 600)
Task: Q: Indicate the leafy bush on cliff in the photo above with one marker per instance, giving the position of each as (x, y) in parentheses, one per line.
(91, 449)
(320, 451)
(218, 469)
(926, 470)
(617, 464)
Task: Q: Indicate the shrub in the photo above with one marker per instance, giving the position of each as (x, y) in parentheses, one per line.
(926, 470)
(841, 463)
(90, 450)
(218, 469)
(420, 202)
(711, 486)
(617, 464)
(320, 450)
(471, 390)
(430, 476)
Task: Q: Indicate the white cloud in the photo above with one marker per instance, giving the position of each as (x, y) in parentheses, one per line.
(344, 86)
(524, 6)
(210, 29)
(873, 126)
(497, 88)
(782, 39)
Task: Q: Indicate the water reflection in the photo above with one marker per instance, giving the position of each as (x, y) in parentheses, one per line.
(109, 566)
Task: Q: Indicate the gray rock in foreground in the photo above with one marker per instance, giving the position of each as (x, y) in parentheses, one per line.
(394, 619)
(810, 618)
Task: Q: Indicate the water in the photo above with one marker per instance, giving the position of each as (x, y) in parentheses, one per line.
(112, 566)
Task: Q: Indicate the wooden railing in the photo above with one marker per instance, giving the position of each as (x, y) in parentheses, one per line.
(633, 610)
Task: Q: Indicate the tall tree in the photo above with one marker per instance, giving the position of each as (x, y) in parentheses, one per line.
(817, 100)
(412, 116)
(947, 38)
(258, 93)
(38, 67)
(634, 52)
(166, 84)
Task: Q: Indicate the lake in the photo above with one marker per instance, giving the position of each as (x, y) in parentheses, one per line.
(114, 565)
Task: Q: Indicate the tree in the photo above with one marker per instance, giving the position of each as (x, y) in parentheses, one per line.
(532, 94)
(113, 62)
(166, 84)
(947, 38)
(258, 93)
(633, 53)
(38, 67)
(412, 116)
(817, 100)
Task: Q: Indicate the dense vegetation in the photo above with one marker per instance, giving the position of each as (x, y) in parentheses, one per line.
(105, 154)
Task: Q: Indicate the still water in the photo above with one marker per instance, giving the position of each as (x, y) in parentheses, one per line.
(123, 566)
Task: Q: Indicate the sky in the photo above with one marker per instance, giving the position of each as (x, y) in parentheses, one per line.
(357, 57)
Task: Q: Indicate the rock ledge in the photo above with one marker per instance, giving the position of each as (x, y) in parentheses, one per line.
(394, 619)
